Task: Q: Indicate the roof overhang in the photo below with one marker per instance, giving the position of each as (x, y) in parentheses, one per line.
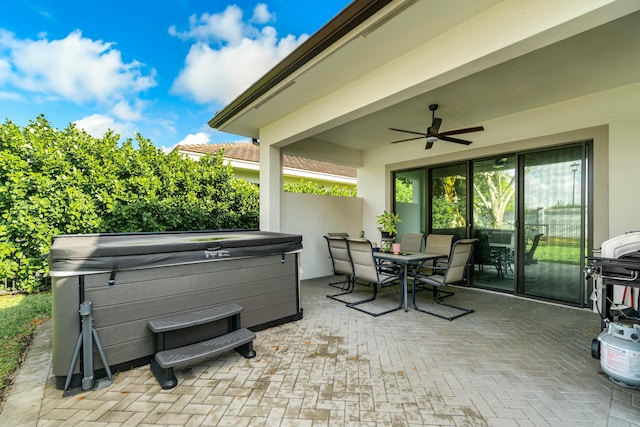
(351, 17)
(379, 64)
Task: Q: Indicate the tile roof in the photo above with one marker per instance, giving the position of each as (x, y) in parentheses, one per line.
(248, 152)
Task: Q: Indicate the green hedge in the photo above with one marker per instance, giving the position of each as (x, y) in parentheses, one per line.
(65, 182)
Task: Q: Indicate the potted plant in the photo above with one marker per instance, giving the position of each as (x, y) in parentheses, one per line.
(388, 222)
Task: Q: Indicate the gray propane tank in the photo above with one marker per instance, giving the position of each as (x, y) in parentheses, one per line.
(619, 354)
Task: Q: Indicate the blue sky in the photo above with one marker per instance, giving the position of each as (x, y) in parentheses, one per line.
(161, 68)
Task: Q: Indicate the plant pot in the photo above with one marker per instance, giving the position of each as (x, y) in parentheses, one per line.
(386, 241)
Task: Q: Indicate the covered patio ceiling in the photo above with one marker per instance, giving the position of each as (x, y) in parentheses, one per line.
(597, 52)
(603, 58)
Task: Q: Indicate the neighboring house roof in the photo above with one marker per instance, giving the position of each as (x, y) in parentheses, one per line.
(292, 165)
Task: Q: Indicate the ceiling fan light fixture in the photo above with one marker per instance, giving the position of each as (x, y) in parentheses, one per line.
(433, 132)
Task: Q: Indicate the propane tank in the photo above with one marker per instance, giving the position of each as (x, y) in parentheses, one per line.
(619, 354)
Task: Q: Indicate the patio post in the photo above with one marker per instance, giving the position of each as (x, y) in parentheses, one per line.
(270, 186)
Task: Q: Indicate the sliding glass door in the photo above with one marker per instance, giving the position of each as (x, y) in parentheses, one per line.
(409, 200)
(494, 210)
(552, 237)
(527, 210)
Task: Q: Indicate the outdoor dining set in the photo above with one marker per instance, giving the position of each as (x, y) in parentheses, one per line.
(429, 262)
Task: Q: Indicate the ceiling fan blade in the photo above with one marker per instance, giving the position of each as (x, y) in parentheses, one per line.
(428, 145)
(456, 140)
(435, 126)
(408, 139)
(459, 131)
(408, 131)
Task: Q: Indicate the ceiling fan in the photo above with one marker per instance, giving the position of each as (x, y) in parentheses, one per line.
(433, 135)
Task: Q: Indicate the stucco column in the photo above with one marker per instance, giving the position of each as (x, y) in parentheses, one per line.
(270, 187)
(624, 152)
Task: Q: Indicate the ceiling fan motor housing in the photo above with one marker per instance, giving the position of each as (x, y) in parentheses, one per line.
(433, 132)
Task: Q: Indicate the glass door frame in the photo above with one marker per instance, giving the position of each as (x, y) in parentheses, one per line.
(586, 212)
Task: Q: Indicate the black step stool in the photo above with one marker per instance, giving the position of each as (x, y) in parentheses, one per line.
(238, 339)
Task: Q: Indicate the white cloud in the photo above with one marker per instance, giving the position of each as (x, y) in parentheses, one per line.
(5, 69)
(97, 125)
(197, 138)
(229, 55)
(74, 68)
(12, 96)
(261, 14)
(226, 26)
(124, 111)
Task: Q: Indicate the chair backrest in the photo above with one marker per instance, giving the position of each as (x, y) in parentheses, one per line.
(482, 251)
(338, 234)
(528, 255)
(438, 244)
(361, 253)
(459, 259)
(411, 242)
(339, 253)
(504, 237)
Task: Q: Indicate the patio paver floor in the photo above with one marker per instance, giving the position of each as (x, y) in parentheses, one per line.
(514, 362)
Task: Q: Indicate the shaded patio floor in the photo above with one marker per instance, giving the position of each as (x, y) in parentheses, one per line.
(513, 362)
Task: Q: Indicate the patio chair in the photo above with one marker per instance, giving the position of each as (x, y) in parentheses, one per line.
(411, 242)
(366, 269)
(453, 272)
(338, 234)
(341, 264)
(528, 255)
(437, 244)
(482, 253)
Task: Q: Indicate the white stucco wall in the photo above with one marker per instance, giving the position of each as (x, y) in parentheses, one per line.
(624, 175)
(313, 216)
(617, 153)
(611, 118)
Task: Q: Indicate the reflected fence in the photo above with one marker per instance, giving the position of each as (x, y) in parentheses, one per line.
(555, 234)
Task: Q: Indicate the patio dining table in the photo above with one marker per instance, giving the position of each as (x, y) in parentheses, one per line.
(405, 259)
(502, 251)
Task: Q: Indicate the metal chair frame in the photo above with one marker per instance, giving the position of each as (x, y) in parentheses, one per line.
(366, 269)
(460, 259)
(341, 264)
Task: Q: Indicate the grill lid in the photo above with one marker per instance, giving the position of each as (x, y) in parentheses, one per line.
(619, 246)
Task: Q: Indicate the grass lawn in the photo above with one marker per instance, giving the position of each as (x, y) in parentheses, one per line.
(554, 253)
(20, 316)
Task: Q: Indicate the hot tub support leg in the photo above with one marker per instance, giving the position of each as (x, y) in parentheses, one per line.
(85, 343)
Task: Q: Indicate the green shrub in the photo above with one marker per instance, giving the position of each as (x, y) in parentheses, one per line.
(309, 187)
(67, 182)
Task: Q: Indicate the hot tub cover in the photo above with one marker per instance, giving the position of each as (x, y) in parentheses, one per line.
(78, 254)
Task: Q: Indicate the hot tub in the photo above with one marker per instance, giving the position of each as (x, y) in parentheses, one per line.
(132, 278)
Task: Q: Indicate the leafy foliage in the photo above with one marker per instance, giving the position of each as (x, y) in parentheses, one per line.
(404, 190)
(494, 194)
(309, 187)
(66, 182)
(388, 222)
(449, 202)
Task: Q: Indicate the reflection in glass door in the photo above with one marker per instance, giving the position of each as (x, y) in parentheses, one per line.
(552, 225)
(448, 209)
(494, 207)
(409, 200)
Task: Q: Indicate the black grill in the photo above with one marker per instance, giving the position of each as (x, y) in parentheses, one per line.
(618, 265)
